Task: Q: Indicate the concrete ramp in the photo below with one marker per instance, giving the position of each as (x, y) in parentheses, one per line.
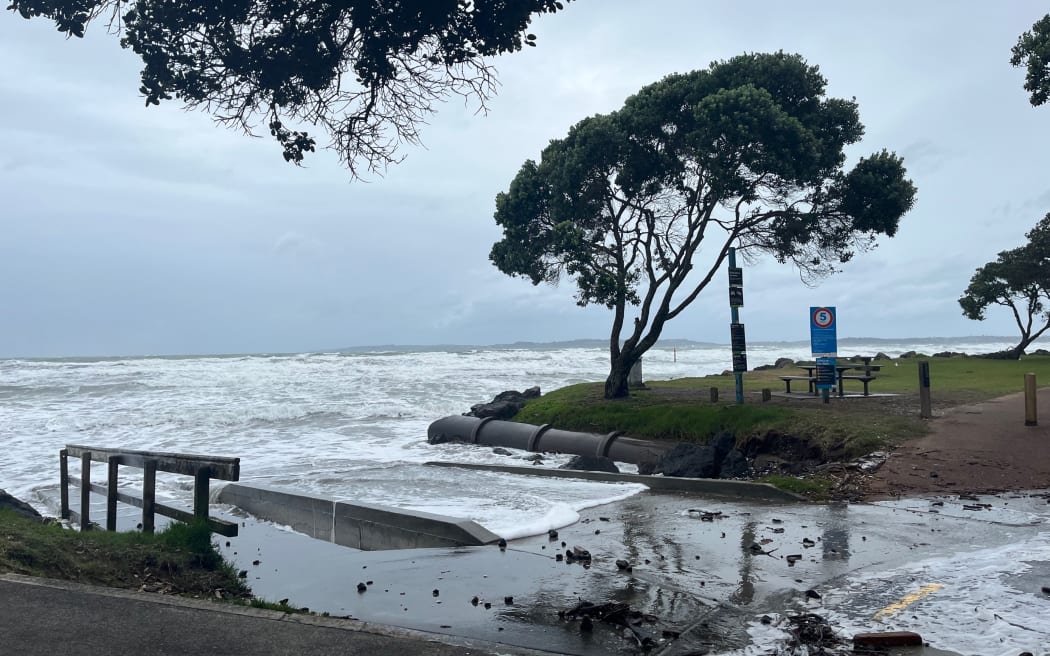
(364, 526)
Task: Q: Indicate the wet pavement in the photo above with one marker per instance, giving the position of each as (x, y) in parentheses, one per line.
(715, 576)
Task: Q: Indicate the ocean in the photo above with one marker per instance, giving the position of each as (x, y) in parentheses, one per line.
(350, 425)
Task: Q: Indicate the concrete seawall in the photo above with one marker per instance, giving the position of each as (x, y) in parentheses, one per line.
(362, 526)
(714, 487)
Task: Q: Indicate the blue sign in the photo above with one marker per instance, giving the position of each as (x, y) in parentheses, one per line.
(823, 341)
(826, 373)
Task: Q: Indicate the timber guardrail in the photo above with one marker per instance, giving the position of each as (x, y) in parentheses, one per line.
(201, 468)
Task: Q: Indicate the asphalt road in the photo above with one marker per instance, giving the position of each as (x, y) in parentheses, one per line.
(51, 618)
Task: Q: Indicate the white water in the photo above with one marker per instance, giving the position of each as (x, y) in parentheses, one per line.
(350, 426)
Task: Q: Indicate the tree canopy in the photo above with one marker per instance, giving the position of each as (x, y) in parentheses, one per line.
(640, 207)
(1018, 279)
(367, 72)
(1033, 53)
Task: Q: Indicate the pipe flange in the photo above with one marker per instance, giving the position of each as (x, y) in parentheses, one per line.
(603, 447)
(477, 429)
(534, 439)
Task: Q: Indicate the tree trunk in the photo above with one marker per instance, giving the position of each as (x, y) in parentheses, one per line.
(619, 370)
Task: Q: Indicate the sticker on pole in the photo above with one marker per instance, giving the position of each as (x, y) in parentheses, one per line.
(823, 339)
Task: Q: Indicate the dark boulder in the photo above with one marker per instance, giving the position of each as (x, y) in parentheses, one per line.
(734, 465)
(881, 356)
(591, 463)
(784, 363)
(19, 507)
(504, 405)
(648, 467)
(722, 442)
(690, 461)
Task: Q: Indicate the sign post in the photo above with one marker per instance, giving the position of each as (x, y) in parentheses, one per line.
(736, 329)
(823, 342)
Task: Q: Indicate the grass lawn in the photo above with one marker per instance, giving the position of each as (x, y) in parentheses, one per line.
(681, 410)
(181, 559)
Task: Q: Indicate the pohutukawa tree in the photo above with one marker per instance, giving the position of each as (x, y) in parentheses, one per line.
(1033, 53)
(640, 207)
(1018, 279)
(367, 72)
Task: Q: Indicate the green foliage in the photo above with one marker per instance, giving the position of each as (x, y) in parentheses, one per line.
(583, 408)
(1033, 53)
(367, 72)
(814, 489)
(181, 558)
(1018, 279)
(749, 152)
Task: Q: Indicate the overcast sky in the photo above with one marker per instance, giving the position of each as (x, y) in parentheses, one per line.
(126, 230)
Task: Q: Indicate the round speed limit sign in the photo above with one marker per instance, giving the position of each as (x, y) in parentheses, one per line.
(823, 318)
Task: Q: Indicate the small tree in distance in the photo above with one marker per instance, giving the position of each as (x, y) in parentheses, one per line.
(1020, 280)
(367, 72)
(749, 153)
(1033, 53)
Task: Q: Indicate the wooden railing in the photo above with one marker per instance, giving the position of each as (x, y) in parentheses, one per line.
(201, 468)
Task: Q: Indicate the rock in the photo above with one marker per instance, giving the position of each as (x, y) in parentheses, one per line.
(908, 354)
(436, 592)
(648, 467)
(690, 461)
(474, 601)
(500, 451)
(734, 466)
(508, 600)
(578, 554)
(504, 405)
(622, 564)
(361, 587)
(19, 507)
(723, 442)
(535, 457)
(552, 535)
(881, 356)
(496, 410)
(812, 594)
(591, 463)
(502, 544)
(949, 354)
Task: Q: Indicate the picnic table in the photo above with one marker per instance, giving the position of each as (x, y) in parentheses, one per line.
(865, 376)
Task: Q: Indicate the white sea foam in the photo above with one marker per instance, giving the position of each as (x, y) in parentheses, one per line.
(986, 604)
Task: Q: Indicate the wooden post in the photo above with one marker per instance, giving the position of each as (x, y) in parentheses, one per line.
(1030, 418)
(149, 495)
(85, 491)
(714, 395)
(111, 493)
(767, 394)
(925, 409)
(200, 493)
(63, 478)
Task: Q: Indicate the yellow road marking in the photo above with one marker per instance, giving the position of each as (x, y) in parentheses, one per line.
(908, 600)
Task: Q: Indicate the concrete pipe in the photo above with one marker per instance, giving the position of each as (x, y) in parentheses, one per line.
(528, 437)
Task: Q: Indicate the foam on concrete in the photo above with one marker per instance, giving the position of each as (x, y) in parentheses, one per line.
(368, 527)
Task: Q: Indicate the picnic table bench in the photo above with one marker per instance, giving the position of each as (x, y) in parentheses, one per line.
(840, 375)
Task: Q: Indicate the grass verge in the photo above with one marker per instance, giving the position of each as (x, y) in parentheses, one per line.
(180, 559)
(680, 410)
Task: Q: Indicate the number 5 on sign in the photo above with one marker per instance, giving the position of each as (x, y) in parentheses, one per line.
(822, 332)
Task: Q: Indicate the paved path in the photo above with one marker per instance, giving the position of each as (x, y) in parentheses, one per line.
(55, 618)
(984, 447)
